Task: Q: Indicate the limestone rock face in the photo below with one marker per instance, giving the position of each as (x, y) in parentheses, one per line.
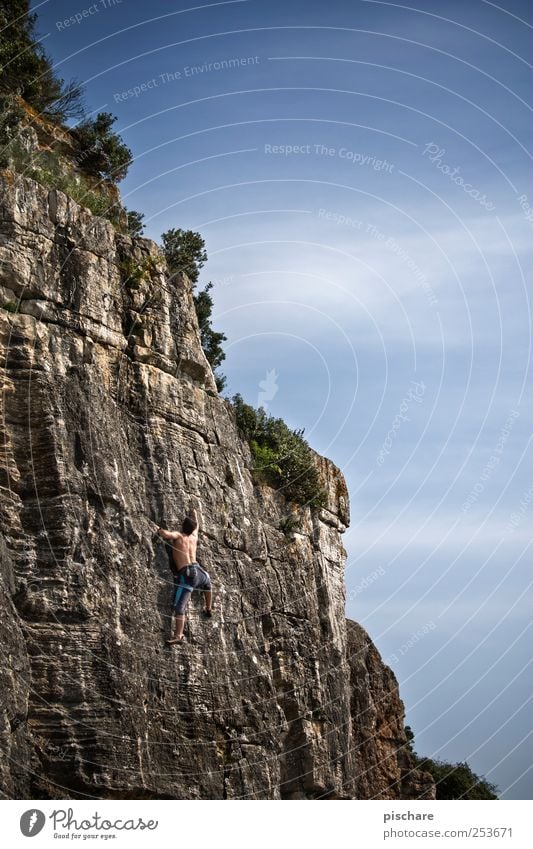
(383, 763)
(110, 418)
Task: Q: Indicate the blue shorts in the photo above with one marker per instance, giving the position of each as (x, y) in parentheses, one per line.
(191, 577)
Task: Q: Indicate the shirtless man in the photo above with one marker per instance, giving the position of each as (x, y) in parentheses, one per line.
(190, 575)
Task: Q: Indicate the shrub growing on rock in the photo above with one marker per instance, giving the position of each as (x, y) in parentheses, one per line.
(282, 457)
(101, 151)
(184, 251)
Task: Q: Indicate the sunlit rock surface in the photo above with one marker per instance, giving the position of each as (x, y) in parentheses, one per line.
(110, 417)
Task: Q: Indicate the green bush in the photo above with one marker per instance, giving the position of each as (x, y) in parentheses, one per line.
(457, 781)
(184, 251)
(45, 169)
(135, 273)
(135, 222)
(282, 457)
(77, 189)
(452, 781)
(14, 155)
(11, 306)
(101, 151)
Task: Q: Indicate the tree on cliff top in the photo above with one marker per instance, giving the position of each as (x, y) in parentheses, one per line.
(185, 251)
(25, 68)
(100, 150)
(135, 222)
(211, 339)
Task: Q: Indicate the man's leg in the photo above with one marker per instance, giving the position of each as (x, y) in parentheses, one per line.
(179, 625)
(205, 585)
(180, 604)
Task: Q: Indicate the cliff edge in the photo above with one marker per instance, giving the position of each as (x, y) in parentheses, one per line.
(110, 417)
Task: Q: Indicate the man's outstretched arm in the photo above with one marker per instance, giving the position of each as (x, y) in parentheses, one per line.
(167, 534)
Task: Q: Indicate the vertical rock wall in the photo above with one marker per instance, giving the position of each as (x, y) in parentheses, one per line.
(110, 416)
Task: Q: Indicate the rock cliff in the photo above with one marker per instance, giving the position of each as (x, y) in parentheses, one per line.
(110, 417)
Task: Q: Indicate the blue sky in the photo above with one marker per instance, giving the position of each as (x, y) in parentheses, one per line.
(360, 173)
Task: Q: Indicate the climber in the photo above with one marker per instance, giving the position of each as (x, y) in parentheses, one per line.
(189, 574)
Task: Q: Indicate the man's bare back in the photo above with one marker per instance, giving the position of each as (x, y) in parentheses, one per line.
(183, 549)
(183, 544)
